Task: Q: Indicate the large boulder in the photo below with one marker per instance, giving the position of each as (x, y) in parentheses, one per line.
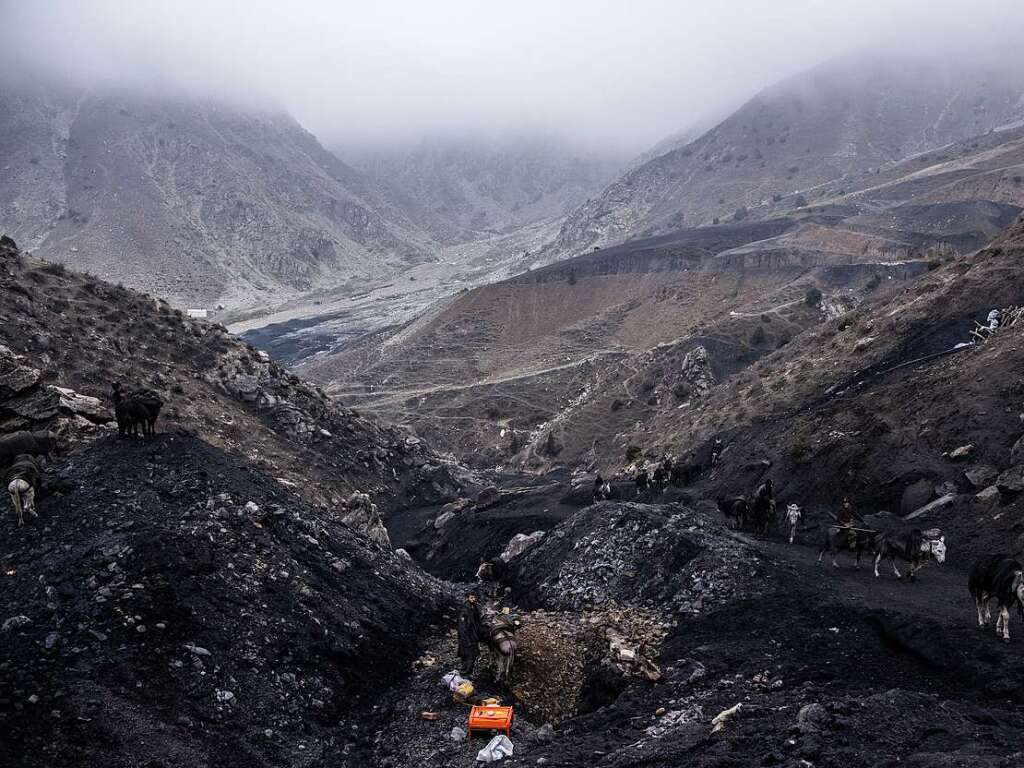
(91, 408)
(15, 375)
(916, 495)
(991, 493)
(364, 517)
(1012, 480)
(1017, 452)
(981, 476)
(520, 543)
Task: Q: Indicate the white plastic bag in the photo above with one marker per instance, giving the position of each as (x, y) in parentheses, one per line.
(453, 680)
(497, 748)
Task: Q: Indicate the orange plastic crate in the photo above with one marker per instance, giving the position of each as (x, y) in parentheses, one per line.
(488, 721)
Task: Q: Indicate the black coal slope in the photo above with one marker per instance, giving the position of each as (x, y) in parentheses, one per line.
(182, 608)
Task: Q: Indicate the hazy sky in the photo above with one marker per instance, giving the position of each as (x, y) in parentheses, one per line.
(603, 73)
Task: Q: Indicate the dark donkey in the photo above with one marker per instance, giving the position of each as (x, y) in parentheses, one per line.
(915, 547)
(856, 541)
(736, 511)
(1001, 577)
(134, 410)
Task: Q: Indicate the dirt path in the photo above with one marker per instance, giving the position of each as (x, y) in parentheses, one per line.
(939, 595)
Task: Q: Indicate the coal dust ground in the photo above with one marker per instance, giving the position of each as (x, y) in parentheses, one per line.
(832, 667)
(185, 609)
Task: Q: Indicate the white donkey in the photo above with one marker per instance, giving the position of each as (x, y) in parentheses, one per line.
(793, 517)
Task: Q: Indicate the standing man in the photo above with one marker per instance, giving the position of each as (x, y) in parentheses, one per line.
(469, 631)
(847, 518)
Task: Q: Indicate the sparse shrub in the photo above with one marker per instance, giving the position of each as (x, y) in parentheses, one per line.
(617, 405)
(681, 391)
(758, 338)
(783, 340)
(874, 281)
(633, 453)
(813, 297)
(934, 264)
(741, 213)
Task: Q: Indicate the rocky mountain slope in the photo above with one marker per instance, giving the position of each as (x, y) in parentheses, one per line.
(200, 203)
(829, 125)
(861, 399)
(87, 334)
(544, 364)
(457, 189)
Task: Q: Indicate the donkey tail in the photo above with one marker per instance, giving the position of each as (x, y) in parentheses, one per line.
(14, 489)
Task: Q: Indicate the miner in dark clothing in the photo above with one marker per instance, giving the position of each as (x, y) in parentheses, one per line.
(469, 631)
(643, 480)
(847, 518)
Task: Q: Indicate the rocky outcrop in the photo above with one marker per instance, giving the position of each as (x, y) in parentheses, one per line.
(697, 373)
(364, 517)
(26, 402)
(211, 203)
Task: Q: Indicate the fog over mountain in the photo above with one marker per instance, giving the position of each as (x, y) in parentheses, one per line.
(554, 343)
(598, 73)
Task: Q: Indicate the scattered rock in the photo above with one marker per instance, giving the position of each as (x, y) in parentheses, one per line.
(988, 494)
(487, 496)
(364, 517)
(457, 735)
(981, 476)
(545, 734)
(1017, 451)
(863, 343)
(962, 452)
(1012, 480)
(14, 622)
(443, 519)
(520, 543)
(813, 718)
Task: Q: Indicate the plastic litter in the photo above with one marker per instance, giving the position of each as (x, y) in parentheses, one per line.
(723, 717)
(497, 749)
(453, 680)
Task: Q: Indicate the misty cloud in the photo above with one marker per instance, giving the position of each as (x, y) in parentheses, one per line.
(620, 75)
